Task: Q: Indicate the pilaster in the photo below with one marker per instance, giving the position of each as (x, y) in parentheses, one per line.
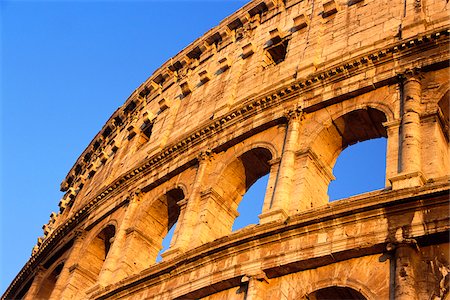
(406, 271)
(279, 206)
(137, 253)
(113, 261)
(410, 165)
(189, 222)
(37, 283)
(216, 216)
(66, 286)
(256, 286)
(311, 181)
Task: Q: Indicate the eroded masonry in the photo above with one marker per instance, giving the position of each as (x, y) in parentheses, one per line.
(278, 88)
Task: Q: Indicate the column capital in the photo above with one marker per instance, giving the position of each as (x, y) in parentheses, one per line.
(80, 234)
(205, 155)
(260, 276)
(394, 124)
(294, 114)
(414, 74)
(40, 270)
(135, 196)
(404, 242)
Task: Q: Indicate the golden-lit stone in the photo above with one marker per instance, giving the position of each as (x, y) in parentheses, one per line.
(277, 88)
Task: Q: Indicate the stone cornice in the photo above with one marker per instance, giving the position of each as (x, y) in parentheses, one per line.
(303, 85)
(246, 108)
(329, 73)
(368, 206)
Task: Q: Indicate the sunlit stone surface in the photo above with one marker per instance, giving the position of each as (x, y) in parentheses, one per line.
(279, 88)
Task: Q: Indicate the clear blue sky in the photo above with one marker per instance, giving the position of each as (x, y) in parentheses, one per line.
(66, 66)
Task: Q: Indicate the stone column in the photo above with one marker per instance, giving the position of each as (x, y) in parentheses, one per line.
(435, 151)
(64, 286)
(411, 160)
(410, 174)
(113, 259)
(132, 250)
(279, 205)
(405, 272)
(274, 166)
(311, 183)
(37, 283)
(256, 286)
(189, 213)
(392, 150)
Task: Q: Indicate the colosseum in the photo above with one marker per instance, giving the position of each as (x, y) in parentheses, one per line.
(278, 88)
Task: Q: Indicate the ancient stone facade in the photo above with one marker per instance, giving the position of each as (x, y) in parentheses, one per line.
(278, 88)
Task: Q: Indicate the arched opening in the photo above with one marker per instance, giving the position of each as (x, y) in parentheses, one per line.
(356, 126)
(152, 224)
(336, 293)
(359, 168)
(48, 284)
(235, 180)
(161, 222)
(97, 251)
(251, 204)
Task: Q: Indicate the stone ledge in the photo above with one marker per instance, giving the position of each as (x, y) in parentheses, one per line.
(274, 233)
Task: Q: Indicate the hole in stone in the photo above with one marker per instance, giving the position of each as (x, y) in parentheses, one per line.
(107, 132)
(277, 52)
(130, 107)
(146, 129)
(96, 145)
(359, 168)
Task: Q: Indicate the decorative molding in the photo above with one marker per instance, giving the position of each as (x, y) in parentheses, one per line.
(248, 107)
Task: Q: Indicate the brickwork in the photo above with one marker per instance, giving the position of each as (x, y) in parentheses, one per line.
(277, 88)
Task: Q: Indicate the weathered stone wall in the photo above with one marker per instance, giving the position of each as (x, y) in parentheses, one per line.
(278, 88)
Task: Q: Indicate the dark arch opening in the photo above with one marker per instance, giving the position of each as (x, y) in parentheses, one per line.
(248, 176)
(97, 251)
(49, 283)
(336, 293)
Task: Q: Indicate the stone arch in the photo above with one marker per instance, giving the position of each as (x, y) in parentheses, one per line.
(49, 282)
(336, 293)
(352, 286)
(246, 148)
(156, 217)
(318, 154)
(442, 93)
(97, 250)
(324, 119)
(232, 180)
(348, 129)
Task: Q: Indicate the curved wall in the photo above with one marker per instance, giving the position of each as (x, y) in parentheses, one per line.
(278, 88)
